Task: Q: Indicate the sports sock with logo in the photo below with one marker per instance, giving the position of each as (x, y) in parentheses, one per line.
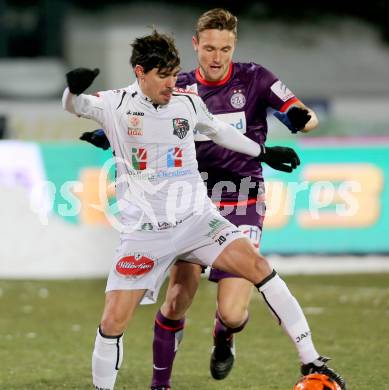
(289, 315)
(106, 360)
(167, 337)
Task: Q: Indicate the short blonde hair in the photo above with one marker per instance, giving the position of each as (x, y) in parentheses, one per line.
(219, 19)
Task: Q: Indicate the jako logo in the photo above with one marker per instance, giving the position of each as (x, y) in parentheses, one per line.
(174, 157)
(134, 265)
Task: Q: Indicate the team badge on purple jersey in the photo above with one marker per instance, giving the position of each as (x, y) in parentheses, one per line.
(238, 100)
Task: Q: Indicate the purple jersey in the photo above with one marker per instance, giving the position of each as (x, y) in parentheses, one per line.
(240, 99)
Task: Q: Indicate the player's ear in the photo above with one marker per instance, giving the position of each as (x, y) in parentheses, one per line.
(139, 72)
(195, 43)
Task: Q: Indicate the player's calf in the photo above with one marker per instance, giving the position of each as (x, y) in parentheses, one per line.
(289, 315)
(106, 360)
(223, 351)
(167, 338)
(233, 299)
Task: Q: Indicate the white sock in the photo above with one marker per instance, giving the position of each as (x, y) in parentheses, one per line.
(106, 360)
(289, 314)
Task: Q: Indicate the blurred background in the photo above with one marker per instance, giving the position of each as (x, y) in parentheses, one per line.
(335, 60)
(330, 216)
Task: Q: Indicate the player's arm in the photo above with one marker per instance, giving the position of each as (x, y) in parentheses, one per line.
(96, 138)
(299, 114)
(298, 117)
(289, 109)
(73, 99)
(278, 157)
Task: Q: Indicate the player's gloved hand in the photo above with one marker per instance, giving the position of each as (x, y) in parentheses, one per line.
(294, 119)
(280, 158)
(80, 79)
(97, 138)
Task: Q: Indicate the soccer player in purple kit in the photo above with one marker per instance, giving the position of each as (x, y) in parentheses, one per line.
(239, 93)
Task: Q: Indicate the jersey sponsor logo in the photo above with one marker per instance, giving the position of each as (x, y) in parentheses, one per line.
(236, 119)
(185, 90)
(134, 265)
(216, 225)
(192, 87)
(253, 233)
(134, 120)
(135, 125)
(163, 225)
(135, 132)
(167, 225)
(147, 226)
(281, 91)
(175, 173)
(180, 127)
(139, 158)
(174, 157)
(238, 100)
(137, 113)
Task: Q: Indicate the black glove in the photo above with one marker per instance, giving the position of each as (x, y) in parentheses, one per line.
(280, 158)
(80, 79)
(97, 138)
(298, 117)
(294, 119)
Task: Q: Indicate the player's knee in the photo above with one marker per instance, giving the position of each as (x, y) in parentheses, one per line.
(262, 268)
(113, 325)
(234, 320)
(233, 315)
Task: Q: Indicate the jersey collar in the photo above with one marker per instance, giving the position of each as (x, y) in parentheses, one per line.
(223, 81)
(139, 94)
(141, 97)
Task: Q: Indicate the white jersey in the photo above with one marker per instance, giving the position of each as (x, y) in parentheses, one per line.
(158, 184)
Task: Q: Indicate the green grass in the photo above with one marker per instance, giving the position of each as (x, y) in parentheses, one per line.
(47, 330)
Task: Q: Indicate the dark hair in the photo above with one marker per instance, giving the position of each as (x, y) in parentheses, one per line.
(155, 51)
(219, 19)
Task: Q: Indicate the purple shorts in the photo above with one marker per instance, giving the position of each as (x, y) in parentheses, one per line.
(249, 219)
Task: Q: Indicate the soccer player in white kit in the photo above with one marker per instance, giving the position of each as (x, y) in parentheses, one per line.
(165, 212)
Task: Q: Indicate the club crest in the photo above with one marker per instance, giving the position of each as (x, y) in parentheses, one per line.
(180, 127)
(238, 100)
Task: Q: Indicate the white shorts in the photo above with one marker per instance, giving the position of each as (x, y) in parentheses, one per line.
(142, 260)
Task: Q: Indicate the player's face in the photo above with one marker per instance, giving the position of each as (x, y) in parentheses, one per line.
(158, 84)
(214, 50)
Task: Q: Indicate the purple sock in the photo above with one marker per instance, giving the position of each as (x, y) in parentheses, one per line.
(221, 330)
(167, 337)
